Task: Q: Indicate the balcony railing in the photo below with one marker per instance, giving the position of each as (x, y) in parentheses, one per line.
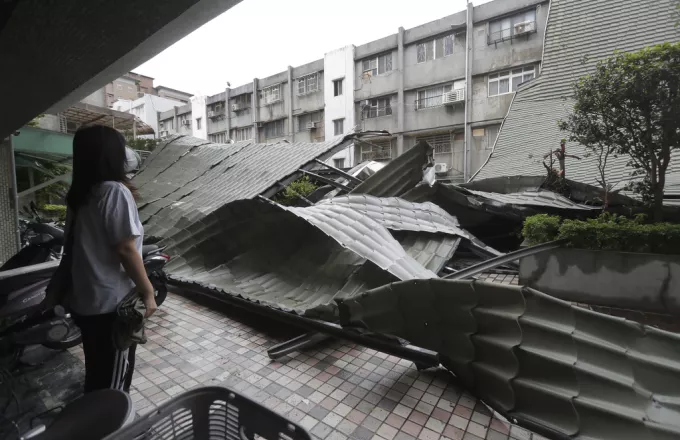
(432, 101)
(377, 154)
(518, 30)
(369, 113)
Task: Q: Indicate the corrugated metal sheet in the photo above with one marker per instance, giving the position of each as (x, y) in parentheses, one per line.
(189, 178)
(400, 175)
(579, 33)
(299, 259)
(547, 199)
(561, 370)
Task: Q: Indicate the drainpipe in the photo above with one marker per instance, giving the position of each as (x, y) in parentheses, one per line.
(255, 111)
(401, 106)
(468, 91)
(227, 112)
(289, 107)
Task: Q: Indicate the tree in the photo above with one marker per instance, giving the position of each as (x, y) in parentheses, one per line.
(629, 106)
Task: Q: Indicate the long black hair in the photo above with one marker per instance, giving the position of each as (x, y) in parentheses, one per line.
(98, 156)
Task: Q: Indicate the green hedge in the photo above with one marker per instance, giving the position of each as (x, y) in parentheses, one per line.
(54, 211)
(607, 232)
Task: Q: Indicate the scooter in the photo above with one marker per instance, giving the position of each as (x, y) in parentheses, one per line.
(25, 319)
(42, 242)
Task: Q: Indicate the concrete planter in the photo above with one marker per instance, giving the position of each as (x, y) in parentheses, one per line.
(646, 282)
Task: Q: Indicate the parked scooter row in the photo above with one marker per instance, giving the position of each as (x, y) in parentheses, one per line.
(28, 317)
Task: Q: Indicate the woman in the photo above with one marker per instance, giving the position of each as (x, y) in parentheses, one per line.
(106, 253)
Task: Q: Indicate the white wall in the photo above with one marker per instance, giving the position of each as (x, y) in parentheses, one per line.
(198, 110)
(146, 108)
(339, 64)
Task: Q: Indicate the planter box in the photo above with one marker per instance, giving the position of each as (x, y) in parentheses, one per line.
(645, 282)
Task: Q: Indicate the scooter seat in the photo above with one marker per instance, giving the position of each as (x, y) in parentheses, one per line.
(46, 228)
(14, 279)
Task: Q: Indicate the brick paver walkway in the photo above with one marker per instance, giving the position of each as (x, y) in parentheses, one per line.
(336, 391)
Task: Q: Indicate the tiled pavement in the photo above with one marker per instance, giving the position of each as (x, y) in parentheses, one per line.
(336, 391)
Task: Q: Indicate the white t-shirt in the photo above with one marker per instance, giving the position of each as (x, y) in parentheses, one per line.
(99, 280)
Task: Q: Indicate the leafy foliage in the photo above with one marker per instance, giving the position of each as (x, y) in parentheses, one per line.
(291, 195)
(142, 144)
(629, 106)
(57, 212)
(607, 232)
(541, 228)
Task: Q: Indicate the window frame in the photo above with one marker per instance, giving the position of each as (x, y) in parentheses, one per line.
(378, 110)
(443, 88)
(341, 122)
(268, 91)
(276, 124)
(431, 46)
(511, 75)
(338, 85)
(239, 134)
(512, 19)
(375, 61)
(198, 123)
(303, 84)
(339, 163)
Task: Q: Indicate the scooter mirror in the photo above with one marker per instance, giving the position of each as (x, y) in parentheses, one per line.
(59, 311)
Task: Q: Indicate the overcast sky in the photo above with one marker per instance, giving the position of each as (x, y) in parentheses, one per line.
(258, 38)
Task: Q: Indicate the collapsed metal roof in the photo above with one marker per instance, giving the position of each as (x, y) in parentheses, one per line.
(372, 262)
(561, 370)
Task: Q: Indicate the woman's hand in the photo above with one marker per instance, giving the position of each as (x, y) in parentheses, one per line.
(150, 304)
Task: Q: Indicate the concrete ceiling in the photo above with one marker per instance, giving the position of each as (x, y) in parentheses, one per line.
(56, 52)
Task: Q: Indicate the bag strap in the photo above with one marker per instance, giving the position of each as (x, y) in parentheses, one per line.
(68, 243)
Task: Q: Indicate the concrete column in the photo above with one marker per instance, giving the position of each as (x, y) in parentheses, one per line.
(227, 110)
(175, 122)
(255, 111)
(468, 91)
(289, 105)
(401, 107)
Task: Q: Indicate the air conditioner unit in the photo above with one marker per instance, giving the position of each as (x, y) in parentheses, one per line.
(259, 124)
(525, 27)
(186, 123)
(212, 113)
(235, 107)
(311, 125)
(454, 96)
(441, 168)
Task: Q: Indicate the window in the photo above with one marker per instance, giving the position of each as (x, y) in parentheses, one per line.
(435, 49)
(274, 129)
(376, 150)
(378, 65)
(162, 125)
(337, 87)
(506, 28)
(308, 84)
(198, 123)
(242, 134)
(243, 101)
(339, 163)
(271, 94)
(432, 97)
(373, 108)
(218, 138)
(119, 87)
(440, 143)
(304, 120)
(508, 81)
(338, 127)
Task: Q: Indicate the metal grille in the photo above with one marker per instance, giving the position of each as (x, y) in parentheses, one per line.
(378, 150)
(8, 231)
(440, 143)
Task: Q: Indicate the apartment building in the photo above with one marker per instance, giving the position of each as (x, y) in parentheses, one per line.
(449, 82)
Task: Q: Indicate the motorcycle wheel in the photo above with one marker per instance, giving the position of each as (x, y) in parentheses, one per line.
(161, 292)
(72, 339)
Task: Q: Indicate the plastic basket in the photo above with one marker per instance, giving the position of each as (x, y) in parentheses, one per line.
(211, 413)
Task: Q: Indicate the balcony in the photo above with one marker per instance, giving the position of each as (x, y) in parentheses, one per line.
(518, 30)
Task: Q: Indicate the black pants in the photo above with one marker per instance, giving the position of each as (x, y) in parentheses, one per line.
(105, 367)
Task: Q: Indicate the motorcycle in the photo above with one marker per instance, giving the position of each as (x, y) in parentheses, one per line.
(26, 320)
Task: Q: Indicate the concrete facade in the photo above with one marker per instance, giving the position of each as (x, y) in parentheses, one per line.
(450, 82)
(147, 108)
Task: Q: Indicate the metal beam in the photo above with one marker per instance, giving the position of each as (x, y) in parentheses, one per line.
(420, 356)
(63, 177)
(328, 180)
(348, 176)
(503, 259)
